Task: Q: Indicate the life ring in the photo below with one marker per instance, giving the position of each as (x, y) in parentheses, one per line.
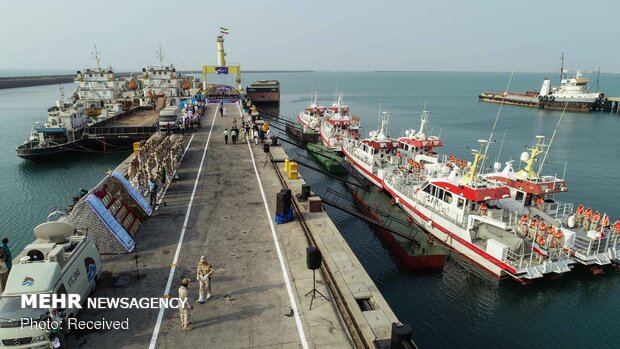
(394, 151)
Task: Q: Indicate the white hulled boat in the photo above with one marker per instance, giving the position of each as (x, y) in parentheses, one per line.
(60, 134)
(338, 126)
(312, 116)
(163, 81)
(460, 209)
(100, 94)
(550, 223)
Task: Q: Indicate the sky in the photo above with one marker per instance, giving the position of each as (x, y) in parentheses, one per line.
(446, 35)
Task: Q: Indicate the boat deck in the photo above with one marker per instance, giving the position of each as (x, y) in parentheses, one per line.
(140, 118)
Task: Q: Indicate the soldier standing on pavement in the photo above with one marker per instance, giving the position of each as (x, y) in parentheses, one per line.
(185, 305)
(203, 275)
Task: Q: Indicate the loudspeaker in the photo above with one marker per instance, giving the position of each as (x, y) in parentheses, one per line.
(281, 206)
(305, 191)
(313, 258)
(400, 333)
(288, 197)
(266, 148)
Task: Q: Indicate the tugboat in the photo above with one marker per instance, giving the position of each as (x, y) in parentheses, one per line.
(62, 133)
(311, 117)
(339, 126)
(571, 94)
(461, 209)
(549, 223)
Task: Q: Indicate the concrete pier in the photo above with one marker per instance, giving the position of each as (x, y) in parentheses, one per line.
(222, 206)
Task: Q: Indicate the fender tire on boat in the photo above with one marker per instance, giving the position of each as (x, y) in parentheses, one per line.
(540, 98)
(394, 151)
(545, 98)
(552, 98)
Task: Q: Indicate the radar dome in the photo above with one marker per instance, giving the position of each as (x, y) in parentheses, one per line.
(407, 132)
(525, 156)
(497, 166)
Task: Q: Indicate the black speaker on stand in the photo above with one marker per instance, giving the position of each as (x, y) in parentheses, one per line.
(266, 151)
(313, 262)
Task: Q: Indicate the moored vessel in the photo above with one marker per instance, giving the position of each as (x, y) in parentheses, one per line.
(59, 134)
(312, 116)
(338, 126)
(264, 92)
(460, 209)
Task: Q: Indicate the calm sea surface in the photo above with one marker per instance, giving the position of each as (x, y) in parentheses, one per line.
(459, 307)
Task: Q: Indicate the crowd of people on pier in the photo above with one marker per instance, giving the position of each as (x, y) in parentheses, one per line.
(249, 128)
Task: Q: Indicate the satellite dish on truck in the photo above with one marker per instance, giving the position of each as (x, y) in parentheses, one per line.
(56, 232)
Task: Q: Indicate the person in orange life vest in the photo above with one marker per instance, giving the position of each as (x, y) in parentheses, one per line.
(579, 215)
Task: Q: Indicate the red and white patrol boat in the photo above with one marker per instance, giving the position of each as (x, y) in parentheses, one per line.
(311, 117)
(338, 126)
(550, 224)
(373, 157)
(460, 208)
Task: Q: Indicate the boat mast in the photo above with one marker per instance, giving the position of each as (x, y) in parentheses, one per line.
(160, 56)
(562, 68)
(95, 54)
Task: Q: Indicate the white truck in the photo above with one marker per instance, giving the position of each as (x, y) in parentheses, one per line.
(57, 262)
(169, 116)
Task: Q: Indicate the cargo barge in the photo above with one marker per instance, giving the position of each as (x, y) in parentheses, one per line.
(264, 92)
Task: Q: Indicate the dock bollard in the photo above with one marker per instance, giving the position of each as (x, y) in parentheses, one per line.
(401, 334)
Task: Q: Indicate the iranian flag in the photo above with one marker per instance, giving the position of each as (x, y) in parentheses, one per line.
(224, 30)
(540, 249)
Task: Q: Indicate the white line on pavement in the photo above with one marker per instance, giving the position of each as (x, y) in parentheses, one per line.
(289, 289)
(160, 316)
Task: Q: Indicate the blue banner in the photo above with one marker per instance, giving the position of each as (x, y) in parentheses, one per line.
(221, 70)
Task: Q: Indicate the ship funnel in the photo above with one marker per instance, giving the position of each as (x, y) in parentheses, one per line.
(546, 88)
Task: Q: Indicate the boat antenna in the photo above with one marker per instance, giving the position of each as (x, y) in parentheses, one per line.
(565, 165)
(562, 67)
(542, 164)
(501, 147)
(95, 54)
(499, 111)
(598, 76)
(160, 56)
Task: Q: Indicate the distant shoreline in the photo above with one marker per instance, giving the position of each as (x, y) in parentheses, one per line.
(40, 80)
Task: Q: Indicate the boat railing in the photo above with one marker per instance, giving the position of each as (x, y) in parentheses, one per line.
(530, 258)
(558, 209)
(588, 246)
(404, 185)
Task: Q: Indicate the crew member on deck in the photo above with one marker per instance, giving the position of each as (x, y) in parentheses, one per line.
(586, 219)
(579, 215)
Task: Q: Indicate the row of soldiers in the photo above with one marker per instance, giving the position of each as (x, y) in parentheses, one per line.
(543, 233)
(588, 220)
(157, 159)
